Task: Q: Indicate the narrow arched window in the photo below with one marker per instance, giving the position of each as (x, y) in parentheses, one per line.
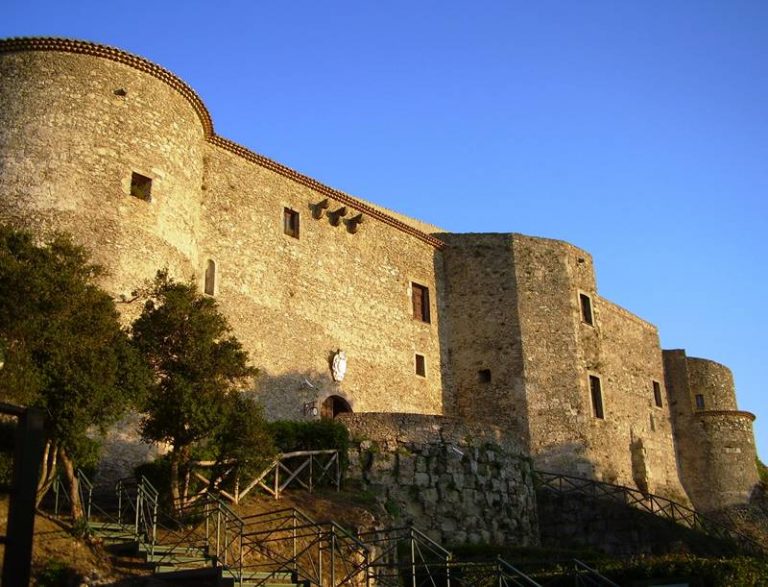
(210, 277)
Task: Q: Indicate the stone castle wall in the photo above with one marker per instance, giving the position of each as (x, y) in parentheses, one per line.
(506, 343)
(485, 343)
(715, 443)
(294, 301)
(68, 146)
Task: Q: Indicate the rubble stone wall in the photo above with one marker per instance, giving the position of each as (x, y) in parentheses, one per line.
(457, 483)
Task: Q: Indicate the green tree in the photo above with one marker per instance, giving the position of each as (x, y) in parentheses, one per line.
(65, 349)
(762, 471)
(199, 368)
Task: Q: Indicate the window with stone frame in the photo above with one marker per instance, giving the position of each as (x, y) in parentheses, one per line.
(421, 366)
(420, 301)
(699, 401)
(291, 222)
(657, 394)
(141, 187)
(210, 277)
(596, 394)
(585, 302)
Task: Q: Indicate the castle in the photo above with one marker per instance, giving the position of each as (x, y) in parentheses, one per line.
(345, 306)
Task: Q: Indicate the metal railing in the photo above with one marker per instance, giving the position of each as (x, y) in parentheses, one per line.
(288, 542)
(204, 534)
(495, 573)
(406, 556)
(647, 502)
(583, 574)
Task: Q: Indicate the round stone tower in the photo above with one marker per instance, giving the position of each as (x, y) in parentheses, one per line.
(106, 146)
(715, 440)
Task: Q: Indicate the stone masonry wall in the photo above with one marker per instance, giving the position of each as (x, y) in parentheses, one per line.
(485, 348)
(558, 410)
(715, 448)
(69, 144)
(630, 361)
(506, 342)
(294, 301)
(458, 483)
(713, 381)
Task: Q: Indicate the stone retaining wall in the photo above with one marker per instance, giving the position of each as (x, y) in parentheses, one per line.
(459, 483)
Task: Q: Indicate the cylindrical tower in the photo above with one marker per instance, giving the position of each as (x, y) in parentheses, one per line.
(105, 146)
(715, 441)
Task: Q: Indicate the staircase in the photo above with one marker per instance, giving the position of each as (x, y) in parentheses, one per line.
(209, 544)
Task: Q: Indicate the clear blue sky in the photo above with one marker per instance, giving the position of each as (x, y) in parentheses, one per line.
(638, 131)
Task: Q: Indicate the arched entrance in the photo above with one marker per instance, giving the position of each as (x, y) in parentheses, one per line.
(333, 406)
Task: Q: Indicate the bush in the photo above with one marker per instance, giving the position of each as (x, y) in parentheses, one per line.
(762, 470)
(315, 435)
(293, 436)
(56, 573)
(699, 572)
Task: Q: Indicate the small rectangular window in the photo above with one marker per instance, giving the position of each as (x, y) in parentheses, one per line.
(291, 222)
(586, 309)
(699, 401)
(421, 367)
(210, 277)
(657, 394)
(420, 299)
(141, 187)
(484, 375)
(596, 391)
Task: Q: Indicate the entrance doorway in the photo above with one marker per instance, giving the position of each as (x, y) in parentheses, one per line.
(333, 406)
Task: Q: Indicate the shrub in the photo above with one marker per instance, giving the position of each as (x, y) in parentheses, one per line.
(315, 435)
(293, 436)
(762, 470)
(56, 573)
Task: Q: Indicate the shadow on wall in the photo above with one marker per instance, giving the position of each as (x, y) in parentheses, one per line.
(448, 401)
(570, 459)
(301, 395)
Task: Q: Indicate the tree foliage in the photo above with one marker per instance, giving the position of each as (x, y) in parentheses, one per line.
(65, 349)
(199, 368)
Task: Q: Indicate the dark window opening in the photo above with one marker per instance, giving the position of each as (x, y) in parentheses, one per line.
(421, 367)
(657, 393)
(596, 391)
(210, 277)
(699, 401)
(333, 406)
(586, 309)
(484, 375)
(420, 299)
(291, 222)
(141, 187)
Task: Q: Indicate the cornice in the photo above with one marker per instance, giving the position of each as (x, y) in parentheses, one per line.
(727, 413)
(337, 195)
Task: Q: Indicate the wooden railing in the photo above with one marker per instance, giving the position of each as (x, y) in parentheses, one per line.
(306, 468)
